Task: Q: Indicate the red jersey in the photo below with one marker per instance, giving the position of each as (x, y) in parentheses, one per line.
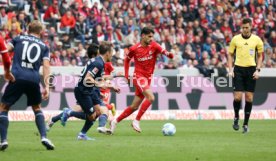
(3, 46)
(108, 69)
(50, 10)
(144, 58)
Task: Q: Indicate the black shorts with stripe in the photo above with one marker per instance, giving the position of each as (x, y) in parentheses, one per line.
(243, 79)
(16, 89)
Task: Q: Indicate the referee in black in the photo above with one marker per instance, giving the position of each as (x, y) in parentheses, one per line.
(247, 49)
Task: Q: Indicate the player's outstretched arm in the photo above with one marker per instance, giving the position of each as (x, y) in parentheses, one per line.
(46, 78)
(163, 51)
(258, 66)
(126, 67)
(88, 80)
(168, 54)
(6, 60)
(113, 75)
(127, 59)
(7, 64)
(230, 65)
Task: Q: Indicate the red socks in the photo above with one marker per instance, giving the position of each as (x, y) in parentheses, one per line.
(128, 111)
(145, 105)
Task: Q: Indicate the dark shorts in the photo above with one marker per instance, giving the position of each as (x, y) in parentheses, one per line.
(96, 97)
(16, 89)
(243, 79)
(97, 100)
(87, 100)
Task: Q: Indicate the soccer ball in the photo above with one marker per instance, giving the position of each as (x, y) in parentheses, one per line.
(168, 129)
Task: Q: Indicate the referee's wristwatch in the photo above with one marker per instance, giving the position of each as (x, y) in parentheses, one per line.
(258, 69)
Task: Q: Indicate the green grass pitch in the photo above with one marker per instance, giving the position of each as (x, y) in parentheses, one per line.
(194, 140)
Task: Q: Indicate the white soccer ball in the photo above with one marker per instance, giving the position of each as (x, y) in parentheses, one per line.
(168, 129)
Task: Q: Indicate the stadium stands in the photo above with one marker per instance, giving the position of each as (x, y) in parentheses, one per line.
(196, 31)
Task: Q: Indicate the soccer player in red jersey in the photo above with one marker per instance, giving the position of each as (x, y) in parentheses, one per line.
(6, 60)
(145, 54)
(105, 93)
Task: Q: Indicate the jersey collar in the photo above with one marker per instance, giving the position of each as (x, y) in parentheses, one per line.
(102, 58)
(246, 37)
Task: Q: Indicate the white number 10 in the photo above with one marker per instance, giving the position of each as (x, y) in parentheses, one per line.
(27, 51)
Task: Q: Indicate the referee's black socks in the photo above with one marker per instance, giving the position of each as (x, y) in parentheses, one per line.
(247, 112)
(237, 107)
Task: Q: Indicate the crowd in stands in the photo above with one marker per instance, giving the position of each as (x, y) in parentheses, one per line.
(198, 32)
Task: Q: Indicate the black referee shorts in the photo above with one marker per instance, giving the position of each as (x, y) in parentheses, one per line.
(16, 89)
(243, 79)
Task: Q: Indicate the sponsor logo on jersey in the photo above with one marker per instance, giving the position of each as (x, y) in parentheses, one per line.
(145, 58)
(95, 70)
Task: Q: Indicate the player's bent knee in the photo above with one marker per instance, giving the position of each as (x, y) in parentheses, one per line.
(151, 99)
(237, 99)
(4, 107)
(36, 107)
(91, 118)
(104, 110)
(248, 97)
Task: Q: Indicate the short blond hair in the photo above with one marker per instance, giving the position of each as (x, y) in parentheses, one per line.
(35, 27)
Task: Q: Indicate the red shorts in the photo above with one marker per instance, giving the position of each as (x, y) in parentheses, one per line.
(141, 84)
(106, 97)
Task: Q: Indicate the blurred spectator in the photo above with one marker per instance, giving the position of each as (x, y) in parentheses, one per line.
(116, 59)
(177, 55)
(52, 33)
(64, 7)
(118, 36)
(272, 39)
(99, 33)
(36, 5)
(91, 21)
(206, 70)
(109, 34)
(203, 58)
(68, 22)
(189, 64)
(171, 65)
(81, 50)
(65, 39)
(19, 4)
(222, 71)
(79, 59)
(81, 31)
(35, 15)
(22, 21)
(54, 59)
(85, 10)
(3, 16)
(132, 38)
(14, 25)
(52, 14)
